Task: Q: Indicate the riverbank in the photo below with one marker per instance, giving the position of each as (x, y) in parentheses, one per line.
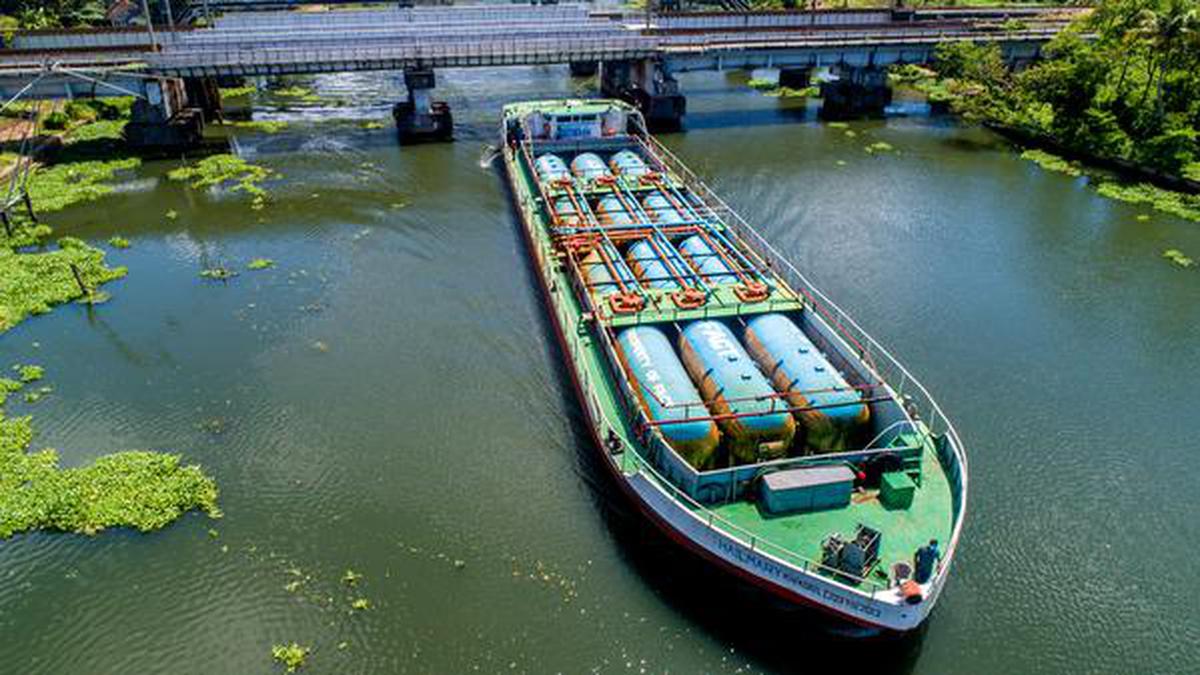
(1118, 90)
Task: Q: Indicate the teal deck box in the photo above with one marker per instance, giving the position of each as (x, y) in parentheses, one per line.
(896, 490)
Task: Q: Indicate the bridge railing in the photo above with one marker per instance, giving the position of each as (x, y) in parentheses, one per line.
(493, 52)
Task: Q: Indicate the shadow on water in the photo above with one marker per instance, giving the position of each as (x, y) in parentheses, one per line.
(730, 119)
(758, 626)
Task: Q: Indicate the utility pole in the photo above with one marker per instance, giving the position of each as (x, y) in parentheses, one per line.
(170, 15)
(149, 24)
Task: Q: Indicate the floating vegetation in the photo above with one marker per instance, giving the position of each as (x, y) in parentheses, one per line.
(372, 125)
(360, 604)
(837, 125)
(8, 386)
(265, 126)
(298, 93)
(219, 170)
(762, 84)
(351, 578)
(260, 264)
(291, 656)
(879, 146)
(1176, 203)
(788, 92)
(57, 187)
(29, 373)
(171, 214)
(143, 490)
(850, 133)
(1142, 217)
(1051, 162)
(32, 283)
(1178, 258)
(118, 242)
(237, 92)
(218, 273)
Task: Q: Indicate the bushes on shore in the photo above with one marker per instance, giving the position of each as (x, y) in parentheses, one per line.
(1132, 93)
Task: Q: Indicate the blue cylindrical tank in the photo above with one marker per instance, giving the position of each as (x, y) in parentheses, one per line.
(666, 393)
(649, 267)
(588, 165)
(732, 384)
(661, 210)
(567, 212)
(601, 277)
(628, 163)
(611, 212)
(797, 368)
(702, 257)
(550, 168)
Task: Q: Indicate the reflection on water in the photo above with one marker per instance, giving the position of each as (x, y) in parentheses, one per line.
(388, 400)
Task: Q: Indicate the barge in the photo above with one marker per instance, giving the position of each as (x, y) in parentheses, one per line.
(742, 411)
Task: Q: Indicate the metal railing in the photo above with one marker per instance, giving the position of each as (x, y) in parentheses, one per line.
(494, 52)
(919, 403)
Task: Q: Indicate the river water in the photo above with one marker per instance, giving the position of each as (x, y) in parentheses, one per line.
(388, 400)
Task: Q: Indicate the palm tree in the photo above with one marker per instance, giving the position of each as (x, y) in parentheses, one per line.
(1167, 32)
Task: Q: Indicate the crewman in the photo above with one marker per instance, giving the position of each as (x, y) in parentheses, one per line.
(925, 560)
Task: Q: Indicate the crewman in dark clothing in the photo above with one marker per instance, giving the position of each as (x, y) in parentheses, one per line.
(925, 560)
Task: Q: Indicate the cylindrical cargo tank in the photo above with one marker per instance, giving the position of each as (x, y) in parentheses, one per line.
(661, 210)
(567, 212)
(612, 213)
(589, 166)
(601, 276)
(732, 384)
(649, 267)
(799, 370)
(711, 266)
(550, 168)
(627, 163)
(667, 394)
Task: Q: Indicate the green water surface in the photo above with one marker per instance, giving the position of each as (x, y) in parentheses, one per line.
(388, 399)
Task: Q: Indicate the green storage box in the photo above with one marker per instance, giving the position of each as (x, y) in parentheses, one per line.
(896, 490)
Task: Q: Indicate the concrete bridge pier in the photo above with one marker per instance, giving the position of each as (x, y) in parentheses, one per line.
(204, 94)
(650, 87)
(859, 91)
(584, 68)
(420, 118)
(795, 78)
(163, 119)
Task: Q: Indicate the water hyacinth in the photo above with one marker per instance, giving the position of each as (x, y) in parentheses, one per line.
(265, 126)
(1051, 162)
(1176, 203)
(32, 283)
(291, 656)
(57, 187)
(1178, 258)
(219, 170)
(142, 490)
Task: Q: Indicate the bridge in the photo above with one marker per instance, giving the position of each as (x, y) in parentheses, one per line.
(173, 71)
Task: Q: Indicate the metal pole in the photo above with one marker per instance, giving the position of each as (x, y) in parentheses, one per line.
(170, 16)
(149, 24)
(207, 14)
